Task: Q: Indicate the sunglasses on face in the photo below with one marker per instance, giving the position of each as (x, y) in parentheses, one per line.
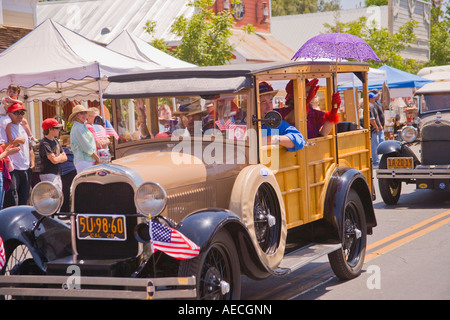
(19, 113)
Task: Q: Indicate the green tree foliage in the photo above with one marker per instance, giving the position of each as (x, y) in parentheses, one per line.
(289, 7)
(386, 45)
(204, 37)
(439, 35)
(376, 3)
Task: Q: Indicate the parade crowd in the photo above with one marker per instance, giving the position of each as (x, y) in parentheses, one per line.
(87, 145)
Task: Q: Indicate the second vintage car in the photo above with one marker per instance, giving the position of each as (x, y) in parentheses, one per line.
(430, 167)
(194, 156)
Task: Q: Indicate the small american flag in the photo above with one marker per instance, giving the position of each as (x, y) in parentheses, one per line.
(223, 125)
(2, 254)
(98, 131)
(110, 130)
(172, 242)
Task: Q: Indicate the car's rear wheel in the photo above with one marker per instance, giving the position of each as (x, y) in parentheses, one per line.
(347, 262)
(390, 189)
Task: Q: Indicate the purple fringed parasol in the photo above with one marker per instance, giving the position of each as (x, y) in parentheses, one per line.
(336, 46)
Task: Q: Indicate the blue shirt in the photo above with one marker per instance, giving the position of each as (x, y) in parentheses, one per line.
(285, 129)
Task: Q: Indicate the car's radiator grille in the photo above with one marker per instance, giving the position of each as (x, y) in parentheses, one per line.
(113, 198)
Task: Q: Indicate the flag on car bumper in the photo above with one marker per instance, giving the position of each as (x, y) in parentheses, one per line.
(171, 242)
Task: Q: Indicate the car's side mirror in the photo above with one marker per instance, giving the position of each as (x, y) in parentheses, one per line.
(272, 119)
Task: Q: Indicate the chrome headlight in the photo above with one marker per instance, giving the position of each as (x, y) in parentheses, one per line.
(409, 134)
(46, 198)
(150, 199)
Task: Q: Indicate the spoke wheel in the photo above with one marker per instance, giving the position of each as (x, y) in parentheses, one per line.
(19, 261)
(267, 219)
(348, 261)
(216, 269)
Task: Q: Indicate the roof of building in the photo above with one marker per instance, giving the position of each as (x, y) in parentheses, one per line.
(103, 20)
(9, 35)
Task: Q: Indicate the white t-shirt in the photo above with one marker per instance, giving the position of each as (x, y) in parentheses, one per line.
(21, 159)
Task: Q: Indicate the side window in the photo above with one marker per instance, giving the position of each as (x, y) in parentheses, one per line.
(127, 122)
(183, 117)
(228, 114)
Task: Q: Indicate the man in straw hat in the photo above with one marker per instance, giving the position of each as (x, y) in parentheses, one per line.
(288, 136)
(82, 140)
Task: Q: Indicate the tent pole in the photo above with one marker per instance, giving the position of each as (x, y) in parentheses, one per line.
(100, 94)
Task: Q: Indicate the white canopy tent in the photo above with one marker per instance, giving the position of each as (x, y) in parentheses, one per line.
(55, 63)
(132, 46)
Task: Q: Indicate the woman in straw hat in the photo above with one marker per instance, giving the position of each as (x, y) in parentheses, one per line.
(82, 140)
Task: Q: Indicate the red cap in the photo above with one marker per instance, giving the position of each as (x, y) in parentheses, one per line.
(50, 123)
(16, 107)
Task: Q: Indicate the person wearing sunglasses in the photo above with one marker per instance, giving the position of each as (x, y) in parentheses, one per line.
(51, 153)
(23, 161)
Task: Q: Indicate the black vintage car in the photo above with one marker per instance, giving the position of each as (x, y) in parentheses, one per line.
(431, 170)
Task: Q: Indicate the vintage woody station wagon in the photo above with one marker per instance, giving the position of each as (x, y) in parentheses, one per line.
(208, 172)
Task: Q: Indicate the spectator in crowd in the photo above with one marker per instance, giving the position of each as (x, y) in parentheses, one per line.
(380, 113)
(23, 160)
(375, 127)
(96, 125)
(6, 167)
(82, 140)
(51, 153)
(12, 97)
(68, 173)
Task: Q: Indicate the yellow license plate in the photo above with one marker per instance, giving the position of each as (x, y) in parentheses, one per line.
(101, 227)
(400, 163)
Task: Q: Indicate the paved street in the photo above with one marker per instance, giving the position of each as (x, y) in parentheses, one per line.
(407, 258)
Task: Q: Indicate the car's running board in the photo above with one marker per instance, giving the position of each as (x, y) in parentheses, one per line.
(304, 256)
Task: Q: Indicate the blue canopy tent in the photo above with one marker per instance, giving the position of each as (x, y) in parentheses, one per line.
(396, 79)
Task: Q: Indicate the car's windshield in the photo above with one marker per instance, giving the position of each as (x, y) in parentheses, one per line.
(182, 116)
(434, 102)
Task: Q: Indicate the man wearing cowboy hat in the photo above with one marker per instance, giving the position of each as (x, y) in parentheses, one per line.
(288, 136)
(51, 153)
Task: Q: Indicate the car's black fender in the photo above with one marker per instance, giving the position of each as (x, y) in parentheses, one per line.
(397, 149)
(50, 240)
(389, 146)
(201, 227)
(342, 180)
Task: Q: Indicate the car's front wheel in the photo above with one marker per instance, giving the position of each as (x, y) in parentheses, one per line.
(216, 269)
(390, 189)
(19, 261)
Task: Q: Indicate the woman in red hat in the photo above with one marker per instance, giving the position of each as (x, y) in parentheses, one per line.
(319, 123)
